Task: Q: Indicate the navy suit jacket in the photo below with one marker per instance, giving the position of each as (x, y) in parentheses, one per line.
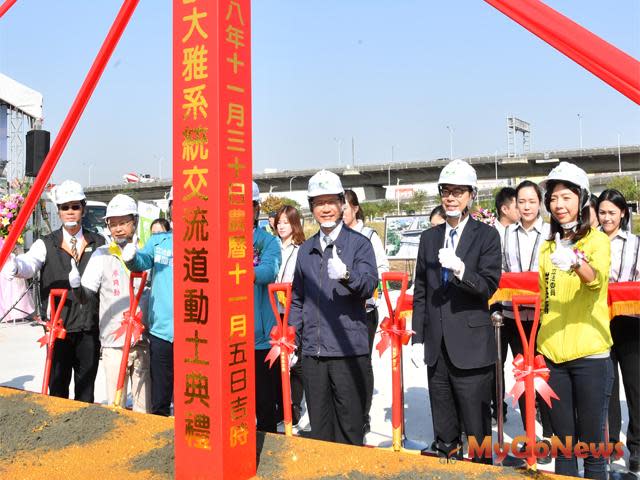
(457, 313)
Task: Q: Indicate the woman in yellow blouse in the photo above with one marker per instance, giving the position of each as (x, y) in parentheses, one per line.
(574, 333)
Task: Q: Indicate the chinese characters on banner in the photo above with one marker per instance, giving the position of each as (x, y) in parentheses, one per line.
(213, 280)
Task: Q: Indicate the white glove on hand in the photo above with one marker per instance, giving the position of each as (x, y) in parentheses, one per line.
(10, 269)
(74, 275)
(336, 267)
(563, 257)
(129, 252)
(448, 259)
(417, 355)
(293, 359)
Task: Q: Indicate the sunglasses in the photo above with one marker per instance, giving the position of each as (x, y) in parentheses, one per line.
(64, 208)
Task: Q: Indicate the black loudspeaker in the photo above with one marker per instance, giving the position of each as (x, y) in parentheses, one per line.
(38, 143)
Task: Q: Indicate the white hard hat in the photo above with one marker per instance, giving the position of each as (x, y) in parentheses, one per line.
(255, 192)
(324, 183)
(569, 173)
(121, 205)
(458, 172)
(67, 191)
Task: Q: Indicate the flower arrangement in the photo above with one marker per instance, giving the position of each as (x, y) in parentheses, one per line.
(10, 205)
(484, 215)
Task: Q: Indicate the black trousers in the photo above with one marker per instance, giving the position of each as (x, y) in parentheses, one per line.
(79, 353)
(372, 327)
(295, 379)
(626, 353)
(584, 387)
(161, 359)
(460, 393)
(511, 337)
(268, 393)
(335, 389)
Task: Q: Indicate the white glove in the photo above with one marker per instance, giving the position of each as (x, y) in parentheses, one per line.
(10, 269)
(293, 359)
(129, 252)
(563, 257)
(74, 275)
(448, 259)
(336, 267)
(417, 355)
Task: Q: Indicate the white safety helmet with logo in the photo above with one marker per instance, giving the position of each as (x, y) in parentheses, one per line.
(121, 205)
(324, 183)
(255, 192)
(571, 174)
(67, 191)
(459, 172)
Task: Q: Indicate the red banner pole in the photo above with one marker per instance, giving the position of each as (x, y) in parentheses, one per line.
(607, 62)
(69, 125)
(213, 347)
(4, 8)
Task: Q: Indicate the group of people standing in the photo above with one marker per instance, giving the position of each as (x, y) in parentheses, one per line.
(97, 275)
(576, 257)
(335, 277)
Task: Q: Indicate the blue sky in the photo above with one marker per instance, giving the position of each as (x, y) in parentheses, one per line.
(384, 72)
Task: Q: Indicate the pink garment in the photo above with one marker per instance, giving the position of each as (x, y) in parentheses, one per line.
(10, 291)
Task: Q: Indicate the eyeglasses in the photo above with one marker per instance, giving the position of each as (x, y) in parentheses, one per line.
(75, 206)
(456, 192)
(122, 223)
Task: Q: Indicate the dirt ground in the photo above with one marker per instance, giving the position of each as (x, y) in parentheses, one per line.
(44, 437)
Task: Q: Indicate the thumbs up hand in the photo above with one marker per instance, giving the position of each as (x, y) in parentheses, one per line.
(563, 258)
(336, 268)
(74, 275)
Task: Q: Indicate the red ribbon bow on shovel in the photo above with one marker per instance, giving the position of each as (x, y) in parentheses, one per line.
(388, 329)
(541, 376)
(280, 342)
(54, 330)
(136, 326)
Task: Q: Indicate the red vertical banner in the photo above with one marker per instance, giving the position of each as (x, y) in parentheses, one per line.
(214, 386)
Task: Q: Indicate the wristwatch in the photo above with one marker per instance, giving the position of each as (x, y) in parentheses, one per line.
(346, 276)
(577, 264)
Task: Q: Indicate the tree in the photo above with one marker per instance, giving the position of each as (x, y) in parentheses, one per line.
(627, 187)
(273, 204)
(416, 203)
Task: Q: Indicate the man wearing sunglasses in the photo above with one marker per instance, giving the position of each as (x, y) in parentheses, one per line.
(457, 271)
(55, 256)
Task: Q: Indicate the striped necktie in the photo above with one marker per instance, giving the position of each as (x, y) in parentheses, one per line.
(74, 248)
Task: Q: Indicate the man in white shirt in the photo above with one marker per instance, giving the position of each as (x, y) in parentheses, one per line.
(506, 210)
(56, 256)
(107, 279)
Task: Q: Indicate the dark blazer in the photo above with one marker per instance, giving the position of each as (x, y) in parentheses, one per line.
(457, 312)
(330, 315)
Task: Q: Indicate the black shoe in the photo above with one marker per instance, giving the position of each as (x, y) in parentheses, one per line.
(295, 415)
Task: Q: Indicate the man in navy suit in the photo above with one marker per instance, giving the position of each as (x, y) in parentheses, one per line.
(457, 271)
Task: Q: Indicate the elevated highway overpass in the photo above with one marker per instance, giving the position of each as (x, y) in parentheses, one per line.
(374, 177)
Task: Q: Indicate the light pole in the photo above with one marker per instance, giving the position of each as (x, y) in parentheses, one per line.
(619, 156)
(495, 161)
(580, 130)
(339, 142)
(450, 128)
(291, 180)
(398, 194)
(90, 166)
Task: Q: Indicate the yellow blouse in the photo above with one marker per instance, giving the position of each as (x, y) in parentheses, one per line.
(574, 315)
